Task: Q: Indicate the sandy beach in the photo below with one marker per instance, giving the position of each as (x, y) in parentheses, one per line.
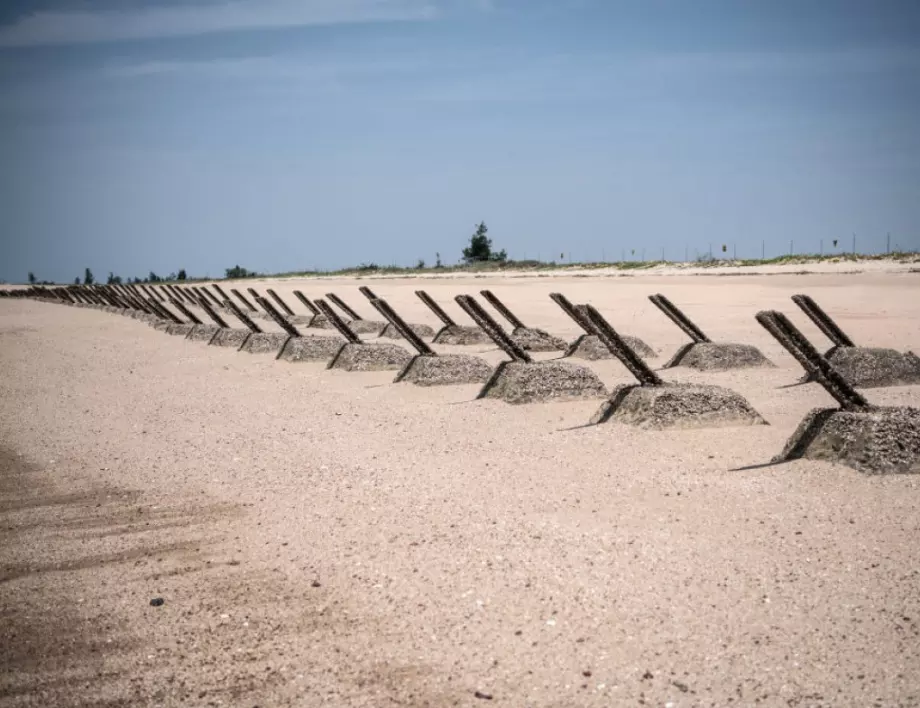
(331, 538)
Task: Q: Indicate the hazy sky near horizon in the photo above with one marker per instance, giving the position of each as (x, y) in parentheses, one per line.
(291, 134)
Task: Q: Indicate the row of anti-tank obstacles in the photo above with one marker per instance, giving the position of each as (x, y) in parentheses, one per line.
(869, 438)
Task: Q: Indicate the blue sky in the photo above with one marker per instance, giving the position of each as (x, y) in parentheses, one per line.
(292, 134)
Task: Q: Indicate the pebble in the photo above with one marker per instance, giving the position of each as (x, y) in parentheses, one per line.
(157, 602)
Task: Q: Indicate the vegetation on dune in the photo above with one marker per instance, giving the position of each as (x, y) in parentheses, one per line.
(479, 256)
(480, 248)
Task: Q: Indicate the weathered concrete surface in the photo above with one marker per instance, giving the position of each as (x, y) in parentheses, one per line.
(264, 342)
(179, 330)
(680, 406)
(589, 347)
(422, 330)
(518, 382)
(872, 367)
(878, 441)
(366, 326)
(310, 348)
(230, 338)
(370, 357)
(536, 340)
(461, 335)
(203, 333)
(446, 370)
(718, 356)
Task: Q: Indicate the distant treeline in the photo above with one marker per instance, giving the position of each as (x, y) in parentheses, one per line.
(479, 255)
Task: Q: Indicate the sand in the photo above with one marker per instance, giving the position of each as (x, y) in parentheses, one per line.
(321, 537)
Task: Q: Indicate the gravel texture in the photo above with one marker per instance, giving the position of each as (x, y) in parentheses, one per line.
(445, 370)
(230, 338)
(869, 367)
(517, 382)
(718, 356)
(264, 342)
(320, 538)
(370, 357)
(536, 340)
(881, 441)
(589, 347)
(367, 327)
(310, 348)
(202, 333)
(461, 335)
(422, 330)
(179, 330)
(321, 322)
(681, 406)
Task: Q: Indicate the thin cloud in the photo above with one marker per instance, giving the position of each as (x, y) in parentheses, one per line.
(842, 61)
(50, 28)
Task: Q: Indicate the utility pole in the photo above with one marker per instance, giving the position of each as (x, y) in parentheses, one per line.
(763, 250)
(854, 244)
(888, 247)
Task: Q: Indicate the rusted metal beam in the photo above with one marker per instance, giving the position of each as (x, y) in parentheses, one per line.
(212, 313)
(340, 303)
(223, 296)
(620, 349)
(242, 298)
(383, 307)
(338, 322)
(492, 328)
(254, 294)
(277, 317)
(577, 315)
(368, 293)
(213, 301)
(165, 312)
(185, 311)
(314, 310)
(435, 308)
(679, 318)
(503, 310)
(814, 363)
(242, 316)
(823, 321)
(281, 303)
